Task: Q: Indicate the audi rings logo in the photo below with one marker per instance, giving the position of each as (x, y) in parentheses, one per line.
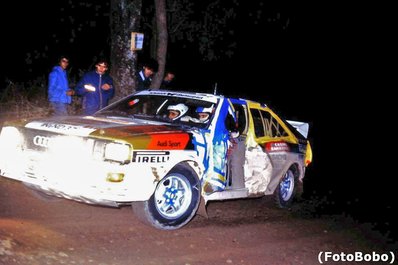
(41, 141)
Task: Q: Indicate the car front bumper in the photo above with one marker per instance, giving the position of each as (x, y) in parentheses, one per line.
(79, 178)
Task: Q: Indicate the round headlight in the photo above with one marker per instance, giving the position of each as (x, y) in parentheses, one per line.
(10, 138)
(117, 152)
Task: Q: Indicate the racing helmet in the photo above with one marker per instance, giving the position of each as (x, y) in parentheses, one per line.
(181, 108)
(204, 113)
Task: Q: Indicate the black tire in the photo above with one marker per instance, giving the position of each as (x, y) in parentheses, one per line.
(174, 202)
(41, 194)
(288, 189)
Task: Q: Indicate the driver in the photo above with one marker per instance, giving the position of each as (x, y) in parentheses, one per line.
(176, 111)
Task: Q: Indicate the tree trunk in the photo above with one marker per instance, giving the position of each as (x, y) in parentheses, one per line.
(161, 47)
(125, 18)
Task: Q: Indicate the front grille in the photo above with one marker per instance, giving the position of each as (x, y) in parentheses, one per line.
(60, 147)
(37, 140)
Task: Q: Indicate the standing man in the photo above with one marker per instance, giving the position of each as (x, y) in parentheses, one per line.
(144, 77)
(59, 94)
(167, 82)
(96, 88)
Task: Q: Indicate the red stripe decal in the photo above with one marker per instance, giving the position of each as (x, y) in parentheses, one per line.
(168, 141)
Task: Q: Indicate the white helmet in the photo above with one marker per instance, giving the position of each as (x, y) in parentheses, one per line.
(206, 111)
(181, 108)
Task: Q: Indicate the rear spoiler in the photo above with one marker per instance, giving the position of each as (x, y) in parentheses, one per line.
(301, 127)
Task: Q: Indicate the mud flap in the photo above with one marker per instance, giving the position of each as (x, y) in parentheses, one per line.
(202, 211)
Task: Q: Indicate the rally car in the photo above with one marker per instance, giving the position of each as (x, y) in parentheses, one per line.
(165, 153)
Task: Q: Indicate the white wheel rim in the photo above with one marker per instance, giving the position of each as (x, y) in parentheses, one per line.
(287, 186)
(173, 196)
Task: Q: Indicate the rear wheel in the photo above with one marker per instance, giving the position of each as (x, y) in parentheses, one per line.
(287, 189)
(174, 202)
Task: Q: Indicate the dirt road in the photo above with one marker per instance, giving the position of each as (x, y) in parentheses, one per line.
(251, 232)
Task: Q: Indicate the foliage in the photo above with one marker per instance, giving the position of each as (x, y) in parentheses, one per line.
(27, 100)
(23, 100)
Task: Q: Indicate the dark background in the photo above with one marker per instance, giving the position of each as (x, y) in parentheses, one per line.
(304, 69)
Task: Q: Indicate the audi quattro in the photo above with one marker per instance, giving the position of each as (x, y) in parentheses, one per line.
(165, 153)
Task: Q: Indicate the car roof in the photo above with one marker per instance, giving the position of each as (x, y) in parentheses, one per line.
(183, 94)
(203, 96)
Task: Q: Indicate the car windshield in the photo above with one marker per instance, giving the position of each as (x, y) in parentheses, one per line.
(185, 110)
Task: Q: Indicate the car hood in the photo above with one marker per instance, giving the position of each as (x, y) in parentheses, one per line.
(141, 133)
(89, 125)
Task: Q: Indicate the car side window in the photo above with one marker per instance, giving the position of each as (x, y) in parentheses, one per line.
(242, 118)
(272, 127)
(265, 125)
(259, 129)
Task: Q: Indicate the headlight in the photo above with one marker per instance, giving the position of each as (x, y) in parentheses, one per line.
(118, 152)
(10, 138)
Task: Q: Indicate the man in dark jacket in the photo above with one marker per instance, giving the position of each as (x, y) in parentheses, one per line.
(167, 82)
(144, 77)
(96, 88)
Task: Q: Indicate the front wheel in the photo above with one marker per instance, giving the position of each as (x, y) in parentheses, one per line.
(287, 189)
(174, 202)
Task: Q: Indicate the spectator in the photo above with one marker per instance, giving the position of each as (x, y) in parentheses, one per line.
(96, 88)
(144, 77)
(59, 94)
(168, 80)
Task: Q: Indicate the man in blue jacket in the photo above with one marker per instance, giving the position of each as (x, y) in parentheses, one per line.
(59, 94)
(96, 88)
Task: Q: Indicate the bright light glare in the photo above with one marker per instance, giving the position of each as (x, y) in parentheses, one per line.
(10, 138)
(89, 87)
(117, 152)
(70, 146)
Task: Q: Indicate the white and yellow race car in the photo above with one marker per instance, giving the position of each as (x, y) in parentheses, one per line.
(166, 153)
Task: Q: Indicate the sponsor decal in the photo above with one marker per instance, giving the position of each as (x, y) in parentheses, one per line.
(282, 157)
(176, 94)
(277, 147)
(41, 141)
(150, 157)
(60, 128)
(169, 141)
(208, 98)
